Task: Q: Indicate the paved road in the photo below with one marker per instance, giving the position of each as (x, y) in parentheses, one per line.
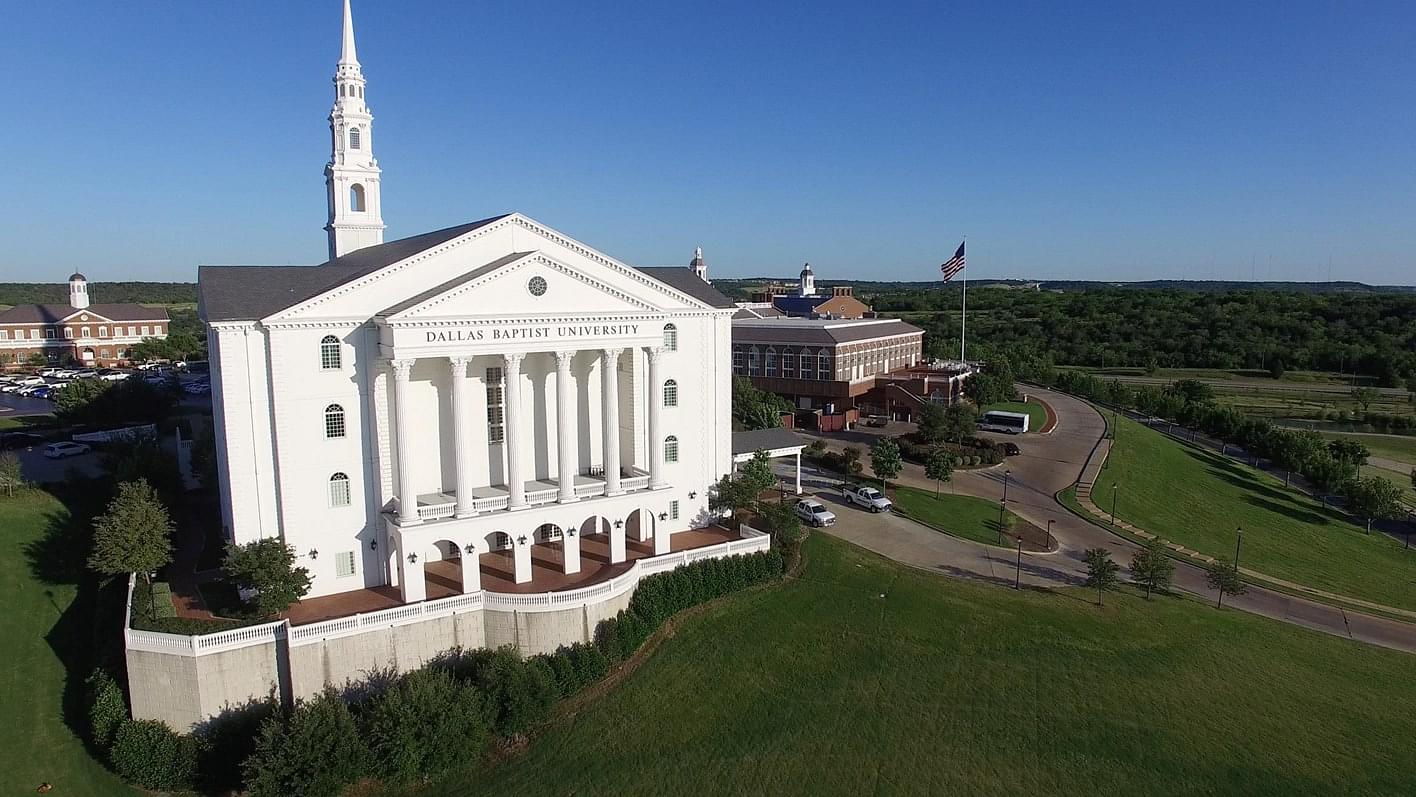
(1051, 463)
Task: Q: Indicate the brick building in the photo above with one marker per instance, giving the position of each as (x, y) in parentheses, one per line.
(80, 332)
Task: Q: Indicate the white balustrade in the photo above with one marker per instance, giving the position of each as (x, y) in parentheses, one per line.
(436, 511)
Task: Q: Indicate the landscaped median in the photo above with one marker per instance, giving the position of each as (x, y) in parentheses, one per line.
(1197, 499)
(967, 517)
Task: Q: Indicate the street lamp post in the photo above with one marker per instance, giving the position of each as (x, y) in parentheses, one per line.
(1007, 474)
(1018, 571)
(1238, 540)
(1001, 504)
(1113, 503)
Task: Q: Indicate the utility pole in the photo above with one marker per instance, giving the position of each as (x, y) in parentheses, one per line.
(1018, 572)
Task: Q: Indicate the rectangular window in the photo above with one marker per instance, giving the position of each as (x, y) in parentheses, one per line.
(771, 362)
(823, 367)
(334, 424)
(84, 333)
(673, 510)
(69, 332)
(754, 362)
(103, 332)
(344, 564)
(339, 491)
(132, 331)
(48, 333)
(145, 331)
(739, 361)
(4, 334)
(496, 406)
(788, 366)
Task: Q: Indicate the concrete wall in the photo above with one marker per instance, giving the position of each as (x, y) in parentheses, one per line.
(401, 648)
(184, 691)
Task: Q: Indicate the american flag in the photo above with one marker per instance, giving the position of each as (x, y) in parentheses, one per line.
(953, 265)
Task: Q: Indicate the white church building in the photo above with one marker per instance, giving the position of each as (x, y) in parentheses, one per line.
(495, 397)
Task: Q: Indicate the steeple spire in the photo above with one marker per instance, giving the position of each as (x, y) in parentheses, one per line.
(352, 175)
(347, 55)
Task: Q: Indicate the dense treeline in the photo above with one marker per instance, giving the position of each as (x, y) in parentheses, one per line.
(102, 292)
(1370, 334)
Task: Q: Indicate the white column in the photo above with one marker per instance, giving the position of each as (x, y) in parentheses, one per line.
(609, 378)
(565, 441)
(522, 557)
(570, 543)
(412, 585)
(471, 570)
(515, 477)
(402, 432)
(656, 408)
(461, 436)
(662, 545)
(617, 541)
(798, 473)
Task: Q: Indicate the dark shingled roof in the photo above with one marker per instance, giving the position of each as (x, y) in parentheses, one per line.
(682, 278)
(250, 293)
(767, 439)
(799, 305)
(53, 313)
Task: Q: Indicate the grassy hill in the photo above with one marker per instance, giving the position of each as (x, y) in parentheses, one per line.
(1197, 498)
(867, 677)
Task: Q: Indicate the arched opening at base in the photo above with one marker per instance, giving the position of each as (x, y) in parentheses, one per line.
(442, 571)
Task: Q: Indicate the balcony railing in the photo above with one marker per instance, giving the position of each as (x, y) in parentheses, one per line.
(439, 506)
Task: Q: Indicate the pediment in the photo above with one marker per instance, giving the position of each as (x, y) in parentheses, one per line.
(526, 284)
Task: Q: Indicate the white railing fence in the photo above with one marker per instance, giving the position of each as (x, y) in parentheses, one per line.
(247, 636)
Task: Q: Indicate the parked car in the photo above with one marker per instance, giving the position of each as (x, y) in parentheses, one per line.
(877, 421)
(46, 392)
(868, 497)
(66, 373)
(65, 449)
(814, 512)
(87, 373)
(112, 375)
(25, 381)
(30, 390)
(12, 440)
(1011, 449)
(49, 372)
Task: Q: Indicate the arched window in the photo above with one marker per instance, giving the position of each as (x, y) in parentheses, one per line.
(329, 353)
(356, 198)
(334, 421)
(353, 138)
(671, 393)
(341, 89)
(671, 337)
(771, 361)
(548, 532)
(338, 490)
(671, 449)
(500, 540)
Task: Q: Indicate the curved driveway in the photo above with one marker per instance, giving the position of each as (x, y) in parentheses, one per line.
(1051, 463)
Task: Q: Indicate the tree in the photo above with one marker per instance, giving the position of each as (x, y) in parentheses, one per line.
(850, 460)
(1348, 451)
(268, 567)
(933, 423)
(1101, 571)
(1192, 390)
(885, 459)
(37, 360)
(1373, 498)
(756, 409)
(11, 476)
(1413, 478)
(1364, 396)
(73, 402)
(1224, 577)
(424, 725)
(960, 420)
(756, 474)
(133, 535)
(1152, 568)
(314, 750)
(939, 467)
(1276, 367)
(730, 496)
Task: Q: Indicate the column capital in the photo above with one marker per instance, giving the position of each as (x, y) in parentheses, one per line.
(513, 361)
(612, 355)
(563, 358)
(402, 369)
(654, 352)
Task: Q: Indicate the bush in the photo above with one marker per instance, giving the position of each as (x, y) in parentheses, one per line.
(107, 707)
(152, 755)
(228, 740)
(314, 750)
(424, 725)
(519, 692)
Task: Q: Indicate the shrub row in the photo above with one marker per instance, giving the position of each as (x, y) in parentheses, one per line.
(973, 451)
(402, 729)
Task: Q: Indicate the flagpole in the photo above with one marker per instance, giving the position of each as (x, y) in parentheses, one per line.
(964, 310)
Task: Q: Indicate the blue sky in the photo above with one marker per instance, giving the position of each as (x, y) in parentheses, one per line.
(1125, 141)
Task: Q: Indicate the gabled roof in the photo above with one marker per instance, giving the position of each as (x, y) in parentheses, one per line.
(765, 439)
(476, 273)
(54, 313)
(250, 293)
(818, 331)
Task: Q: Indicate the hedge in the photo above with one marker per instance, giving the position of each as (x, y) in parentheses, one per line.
(154, 756)
(424, 725)
(107, 708)
(314, 750)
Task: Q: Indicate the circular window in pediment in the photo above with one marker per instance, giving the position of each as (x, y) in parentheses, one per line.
(537, 286)
(83, 317)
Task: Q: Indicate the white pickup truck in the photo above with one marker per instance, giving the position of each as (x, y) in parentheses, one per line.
(868, 497)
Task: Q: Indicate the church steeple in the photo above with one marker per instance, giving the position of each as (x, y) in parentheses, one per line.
(352, 175)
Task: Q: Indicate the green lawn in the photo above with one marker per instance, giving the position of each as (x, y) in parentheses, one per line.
(45, 624)
(1197, 498)
(867, 677)
(1037, 416)
(1402, 480)
(961, 515)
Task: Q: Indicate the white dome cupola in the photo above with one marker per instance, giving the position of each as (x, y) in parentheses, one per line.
(808, 281)
(352, 175)
(78, 291)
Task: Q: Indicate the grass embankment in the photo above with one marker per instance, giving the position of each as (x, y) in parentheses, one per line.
(960, 515)
(1197, 498)
(1402, 480)
(1037, 416)
(823, 686)
(1391, 446)
(46, 626)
